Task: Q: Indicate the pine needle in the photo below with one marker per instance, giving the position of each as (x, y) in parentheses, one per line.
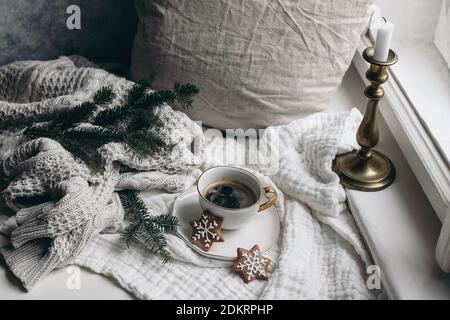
(129, 236)
(104, 96)
(144, 144)
(185, 93)
(40, 130)
(137, 92)
(145, 227)
(94, 134)
(111, 116)
(76, 115)
(165, 222)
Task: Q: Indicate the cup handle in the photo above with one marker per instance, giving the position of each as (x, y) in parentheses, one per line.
(272, 200)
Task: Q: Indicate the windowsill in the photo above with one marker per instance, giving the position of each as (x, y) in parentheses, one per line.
(423, 74)
(401, 231)
(398, 224)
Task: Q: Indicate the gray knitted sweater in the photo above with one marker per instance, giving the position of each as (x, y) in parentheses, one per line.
(59, 204)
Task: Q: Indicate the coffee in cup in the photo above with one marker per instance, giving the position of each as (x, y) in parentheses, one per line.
(234, 194)
(230, 194)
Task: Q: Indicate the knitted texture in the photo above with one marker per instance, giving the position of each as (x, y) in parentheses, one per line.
(318, 256)
(74, 204)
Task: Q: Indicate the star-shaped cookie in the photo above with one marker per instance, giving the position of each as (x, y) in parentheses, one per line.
(207, 231)
(251, 264)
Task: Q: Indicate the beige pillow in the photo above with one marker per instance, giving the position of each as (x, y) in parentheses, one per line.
(257, 63)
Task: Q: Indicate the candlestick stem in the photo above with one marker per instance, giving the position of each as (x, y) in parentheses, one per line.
(368, 169)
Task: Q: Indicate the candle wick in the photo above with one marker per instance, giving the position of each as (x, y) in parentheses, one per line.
(385, 21)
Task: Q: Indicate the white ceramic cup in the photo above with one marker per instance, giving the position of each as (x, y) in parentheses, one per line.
(234, 218)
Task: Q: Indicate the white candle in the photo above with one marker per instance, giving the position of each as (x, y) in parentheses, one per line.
(383, 42)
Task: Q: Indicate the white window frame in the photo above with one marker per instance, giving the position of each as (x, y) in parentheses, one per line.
(419, 148)
(441, 35)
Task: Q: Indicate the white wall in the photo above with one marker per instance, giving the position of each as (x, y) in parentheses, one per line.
(413, 19)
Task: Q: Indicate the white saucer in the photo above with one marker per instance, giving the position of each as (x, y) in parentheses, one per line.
(262, 230)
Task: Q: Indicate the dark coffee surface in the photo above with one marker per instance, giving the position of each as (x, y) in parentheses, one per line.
(230, 194)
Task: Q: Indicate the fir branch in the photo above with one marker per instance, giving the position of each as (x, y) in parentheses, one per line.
(112, 115)
(129, 198)
(155, 98)
(76, 115)
(165, 222)
(156, 242)
(185, 93)
(41, 130)
(138, 98)
(82, 112)
(144, 143)
(137, 91)
(141, 122)
(130, 234)
(104, 96)
(152, 237)
(94, 134)
(145, 227)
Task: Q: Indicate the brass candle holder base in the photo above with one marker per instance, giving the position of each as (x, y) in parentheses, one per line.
(368, 169)
(374, 175)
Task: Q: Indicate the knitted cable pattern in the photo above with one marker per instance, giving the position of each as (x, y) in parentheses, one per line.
(78, 204)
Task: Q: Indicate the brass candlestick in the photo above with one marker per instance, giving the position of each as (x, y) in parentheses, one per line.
(368, 169)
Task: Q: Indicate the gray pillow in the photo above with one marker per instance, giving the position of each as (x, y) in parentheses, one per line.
(257, 63)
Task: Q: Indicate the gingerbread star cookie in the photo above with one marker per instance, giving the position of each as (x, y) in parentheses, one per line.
(207, 231)
(251, 264)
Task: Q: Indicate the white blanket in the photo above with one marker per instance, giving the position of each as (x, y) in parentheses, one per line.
(320, 254)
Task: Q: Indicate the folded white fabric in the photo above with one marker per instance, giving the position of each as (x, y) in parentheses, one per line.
(307, 149)
(318, 256)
